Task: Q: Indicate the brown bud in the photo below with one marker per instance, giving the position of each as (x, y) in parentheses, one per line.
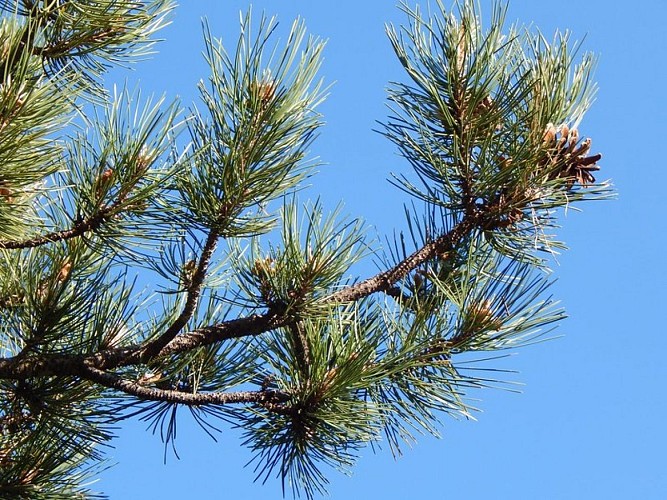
(65, 269)
(103, 181)
(106, 175)
(6, 193)
(549, 135)
(264, 89)
(480, 316)
(262, 267)
(329, 378)
(484, 106)
(267, 92)
(574, 136)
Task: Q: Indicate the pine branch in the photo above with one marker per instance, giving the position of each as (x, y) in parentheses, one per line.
(194, 289)
(62, 364)
(383, 282)
(266, 398)
(170, 342)
(90, 223)
(335, 364)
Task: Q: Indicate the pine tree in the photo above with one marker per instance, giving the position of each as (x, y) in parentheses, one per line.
(255, 316)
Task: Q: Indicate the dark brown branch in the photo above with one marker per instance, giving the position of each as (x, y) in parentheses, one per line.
(61, 364)
(384, 281)
(83, 226)
(194, 287)
(64, 364)
(264, 398)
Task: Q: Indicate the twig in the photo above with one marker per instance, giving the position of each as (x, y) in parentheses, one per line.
(112, 381)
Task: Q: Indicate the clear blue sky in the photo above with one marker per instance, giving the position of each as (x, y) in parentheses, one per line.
(590, 422)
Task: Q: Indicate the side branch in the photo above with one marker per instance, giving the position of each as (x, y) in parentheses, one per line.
(81, 227)
(385, 281)
(194, 287)
(264, 398)
(64, 365)
(173, 343)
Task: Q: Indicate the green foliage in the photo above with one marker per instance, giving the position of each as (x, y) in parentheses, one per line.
(250, 150)
(313, 258)
(473, 123)
(253, 314)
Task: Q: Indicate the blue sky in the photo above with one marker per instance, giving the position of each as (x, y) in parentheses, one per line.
(589, 422)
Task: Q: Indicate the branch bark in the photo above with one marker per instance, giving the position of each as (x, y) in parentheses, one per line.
(264, 397)
(170, 342)
(152, 348)
(83, 226)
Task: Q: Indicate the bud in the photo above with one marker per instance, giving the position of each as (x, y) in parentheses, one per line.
(329, 378)
(574, 136)
(144, 159)
(263, 267)
(264, 89)
(549, 135)
(461, 50)
(479, 317)
(267, 92)
(106, 175)
(103, 181)
(6, 193)
(65, 269)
